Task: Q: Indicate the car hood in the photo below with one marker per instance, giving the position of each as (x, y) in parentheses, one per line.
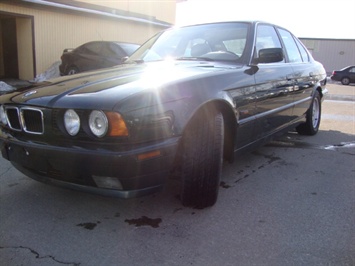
(104, 88)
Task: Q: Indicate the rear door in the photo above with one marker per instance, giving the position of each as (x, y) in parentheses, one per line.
(304, 75)
(274, 85)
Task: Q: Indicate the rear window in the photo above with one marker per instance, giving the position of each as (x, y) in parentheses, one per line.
(129, 48)
(293, 53)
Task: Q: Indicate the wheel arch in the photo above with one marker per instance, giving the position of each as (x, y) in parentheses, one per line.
(320, 86)
(319, 89)
(230, 124)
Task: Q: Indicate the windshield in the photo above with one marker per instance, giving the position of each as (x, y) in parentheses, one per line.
(212, 42)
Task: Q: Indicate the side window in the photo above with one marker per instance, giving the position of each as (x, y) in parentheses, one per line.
(352, 70)
(266, 37)
(291, 47)
(302, 50)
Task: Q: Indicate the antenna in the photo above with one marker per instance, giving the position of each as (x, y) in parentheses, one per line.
(98, 33)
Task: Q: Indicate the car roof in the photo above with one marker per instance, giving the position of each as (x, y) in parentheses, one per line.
(117, 42)
(253, 22)
(345, 68)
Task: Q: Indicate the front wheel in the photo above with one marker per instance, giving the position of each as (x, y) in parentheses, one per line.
(202, 160)
(313, 117)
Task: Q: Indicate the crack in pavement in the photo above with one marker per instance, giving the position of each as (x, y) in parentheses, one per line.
(42, 257)
(271, 158)
(5, 172)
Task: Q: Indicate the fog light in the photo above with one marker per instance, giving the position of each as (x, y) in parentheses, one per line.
(107, 182)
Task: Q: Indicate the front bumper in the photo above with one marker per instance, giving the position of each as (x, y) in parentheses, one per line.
(81, 169)
(325, 93)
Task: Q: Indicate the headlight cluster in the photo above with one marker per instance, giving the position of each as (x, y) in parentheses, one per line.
(99, 123)
(3, 119)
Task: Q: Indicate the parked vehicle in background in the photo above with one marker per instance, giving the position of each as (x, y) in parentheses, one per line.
(186, 100)
(345, 75)
(94, 55)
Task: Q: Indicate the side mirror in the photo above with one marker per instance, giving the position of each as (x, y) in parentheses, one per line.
(68, 50)
(270, 55)
(124, 59)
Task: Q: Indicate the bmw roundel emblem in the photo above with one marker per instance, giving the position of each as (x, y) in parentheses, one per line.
(27, 94)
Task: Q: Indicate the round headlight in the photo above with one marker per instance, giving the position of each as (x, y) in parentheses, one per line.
(98, 123)
(3, 115)
(71, 122)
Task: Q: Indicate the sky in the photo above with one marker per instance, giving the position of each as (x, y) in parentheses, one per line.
(304, 18)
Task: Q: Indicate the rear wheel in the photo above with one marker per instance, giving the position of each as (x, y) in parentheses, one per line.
(313, 117)
(202, 160)
(345, 81)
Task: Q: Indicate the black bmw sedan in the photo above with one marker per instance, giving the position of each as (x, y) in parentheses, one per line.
(186, 100)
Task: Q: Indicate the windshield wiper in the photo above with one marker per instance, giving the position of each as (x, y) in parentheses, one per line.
(137, 61)
(194, 58)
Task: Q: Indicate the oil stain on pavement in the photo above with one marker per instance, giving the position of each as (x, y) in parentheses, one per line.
(143, 221)
(88, 226)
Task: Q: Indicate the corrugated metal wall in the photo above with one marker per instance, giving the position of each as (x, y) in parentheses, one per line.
(56, 30)
(333, 54)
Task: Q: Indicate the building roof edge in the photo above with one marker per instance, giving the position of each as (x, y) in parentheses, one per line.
(90, 9)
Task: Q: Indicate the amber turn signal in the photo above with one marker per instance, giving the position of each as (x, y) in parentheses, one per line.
(117, 126)
(148, 155)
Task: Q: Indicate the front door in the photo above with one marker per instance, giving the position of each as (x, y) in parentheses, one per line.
(274, 84)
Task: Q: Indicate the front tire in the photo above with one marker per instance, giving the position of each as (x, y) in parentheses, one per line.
(313, 117)
(202, 160)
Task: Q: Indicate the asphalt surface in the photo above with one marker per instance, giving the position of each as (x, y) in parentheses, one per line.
(291, 202)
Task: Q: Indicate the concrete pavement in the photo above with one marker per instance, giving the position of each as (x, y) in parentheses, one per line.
(339, 92)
